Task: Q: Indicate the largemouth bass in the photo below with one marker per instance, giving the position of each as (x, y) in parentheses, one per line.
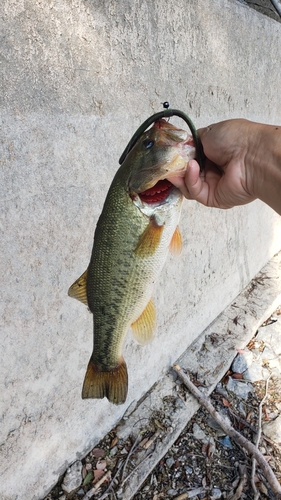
(136, 229)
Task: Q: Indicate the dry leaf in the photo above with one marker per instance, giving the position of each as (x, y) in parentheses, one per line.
(88, 478)
(251, 344)
(250, 416)
(237, 376)
(262, 488)
(84, 472)
(204, 448)
(114, 442)
(157, 423)
(98, 474)
(101, 464)
(98, 453)
(266, 412)
(204, 482)
(211, 450)
(226, 403)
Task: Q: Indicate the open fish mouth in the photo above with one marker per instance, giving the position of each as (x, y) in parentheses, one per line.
(157, 193)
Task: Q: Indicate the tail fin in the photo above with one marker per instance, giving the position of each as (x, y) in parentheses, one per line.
(112, 384)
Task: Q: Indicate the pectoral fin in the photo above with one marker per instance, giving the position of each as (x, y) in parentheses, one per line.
(144, 328)
(78, 289)
(175, 246)
(149, 240)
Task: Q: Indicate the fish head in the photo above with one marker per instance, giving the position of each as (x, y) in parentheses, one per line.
(163, 151)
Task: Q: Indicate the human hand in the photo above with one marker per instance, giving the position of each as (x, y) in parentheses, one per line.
(228, 177)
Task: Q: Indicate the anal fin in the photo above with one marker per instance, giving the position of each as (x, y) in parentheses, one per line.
(175, 246)
(149, 240)
(112, 384)
(79, 288)
(144, 328)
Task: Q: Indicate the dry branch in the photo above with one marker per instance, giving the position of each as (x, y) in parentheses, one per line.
(257, 441)
(231, 432)
(242, 483)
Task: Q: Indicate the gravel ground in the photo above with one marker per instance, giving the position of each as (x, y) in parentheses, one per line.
(203, 463)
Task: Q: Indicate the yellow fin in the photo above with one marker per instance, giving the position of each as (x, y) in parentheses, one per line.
(78, 289)
(111, 384)
(175, 246)
(149, 240)
(144, 328)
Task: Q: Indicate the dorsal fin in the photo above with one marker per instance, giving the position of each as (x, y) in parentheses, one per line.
(79, 289)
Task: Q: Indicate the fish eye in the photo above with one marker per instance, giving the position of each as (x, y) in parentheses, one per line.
(148, 143)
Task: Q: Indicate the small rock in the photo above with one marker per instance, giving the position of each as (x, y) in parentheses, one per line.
(73, 477)
(240, 389)
(198, 433)
(273, 429)
(188, 470)
(226, 442)
(170, 462)
(273, 359)
(172, 492)
(242, 362)
(214, 424)
(113, 451)
(221, 390)
(256, 372)
(271, 336)
(242, 409)
(215, 493)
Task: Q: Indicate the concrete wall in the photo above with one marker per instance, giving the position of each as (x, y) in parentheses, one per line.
(77, 79)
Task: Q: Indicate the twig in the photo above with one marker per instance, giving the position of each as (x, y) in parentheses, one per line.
(236, 436)
(253, 429)
(120, 490)
(110, 487)
(257, 441)
(277, 6)
(94, 490)
(191, 493)
(133, 447)
(242, 482)
(152, 439)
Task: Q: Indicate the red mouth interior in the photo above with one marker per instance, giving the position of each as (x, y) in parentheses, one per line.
(157, 193)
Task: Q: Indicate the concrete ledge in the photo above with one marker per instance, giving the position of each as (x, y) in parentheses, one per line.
(209, 357)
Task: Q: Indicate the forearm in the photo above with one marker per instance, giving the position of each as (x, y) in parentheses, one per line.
(265, 159)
